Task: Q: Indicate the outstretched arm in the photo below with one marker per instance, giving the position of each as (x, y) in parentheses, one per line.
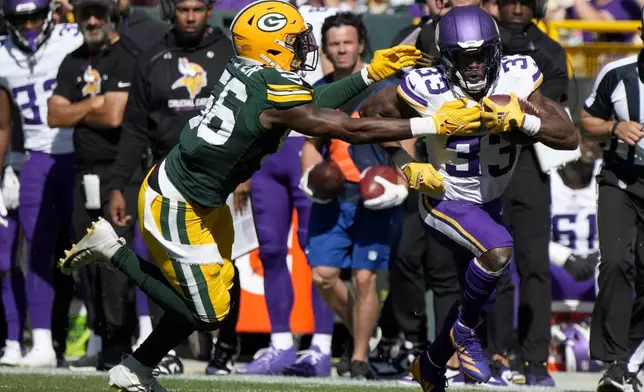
(387, 103)
(312, 121)
(557, 130)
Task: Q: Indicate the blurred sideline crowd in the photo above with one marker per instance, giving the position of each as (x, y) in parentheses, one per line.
(127, 103)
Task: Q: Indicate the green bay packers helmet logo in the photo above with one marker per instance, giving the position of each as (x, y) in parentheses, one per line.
(272, 22)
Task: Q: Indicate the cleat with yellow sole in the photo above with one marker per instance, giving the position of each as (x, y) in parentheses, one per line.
(430, 377)
(474, 363)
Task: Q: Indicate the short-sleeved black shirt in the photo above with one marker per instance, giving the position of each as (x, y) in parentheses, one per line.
(81, 76)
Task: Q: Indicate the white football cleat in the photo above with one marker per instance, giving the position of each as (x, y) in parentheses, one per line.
(98, 245)
(12, 354)
(39, 357)
(131, 376)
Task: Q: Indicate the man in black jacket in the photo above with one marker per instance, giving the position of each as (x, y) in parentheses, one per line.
(172, 83)
(527, 210)
(140, 27)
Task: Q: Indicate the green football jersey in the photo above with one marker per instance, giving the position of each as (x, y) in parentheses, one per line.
(225, 144)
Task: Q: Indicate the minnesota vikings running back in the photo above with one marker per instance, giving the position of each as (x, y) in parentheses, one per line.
(29, 62)
(466, 213)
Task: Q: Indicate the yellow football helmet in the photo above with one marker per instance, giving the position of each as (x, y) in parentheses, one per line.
(273, 33)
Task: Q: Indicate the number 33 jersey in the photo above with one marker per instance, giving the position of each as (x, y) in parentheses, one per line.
(476, 168)
(31, 79)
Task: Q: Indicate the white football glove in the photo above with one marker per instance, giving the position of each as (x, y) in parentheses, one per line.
(304, 186)
(11, 189)
(393, 195)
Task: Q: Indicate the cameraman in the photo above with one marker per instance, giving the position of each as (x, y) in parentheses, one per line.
(172, 83)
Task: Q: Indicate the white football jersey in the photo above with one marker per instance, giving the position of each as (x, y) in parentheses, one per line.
(31, 79)
(476, 168)
(315, 16)
(574, 214)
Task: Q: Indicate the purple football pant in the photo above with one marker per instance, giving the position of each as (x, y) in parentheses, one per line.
(274, 194)
(468, 230)
(13, 282)
(46, 205)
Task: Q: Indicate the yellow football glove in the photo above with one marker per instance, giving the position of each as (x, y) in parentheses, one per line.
(386, 62)
(503, 118)
(454, 118)
(423, 177)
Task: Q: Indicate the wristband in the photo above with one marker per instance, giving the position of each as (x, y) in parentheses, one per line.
(531, 125)
(401, 158)
(365, 77)
(421, 126)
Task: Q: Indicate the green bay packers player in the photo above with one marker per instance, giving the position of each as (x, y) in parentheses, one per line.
(183, 214)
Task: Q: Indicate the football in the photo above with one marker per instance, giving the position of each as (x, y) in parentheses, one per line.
(370, 189)
(326, 180)
(501, 99)
(516, 136)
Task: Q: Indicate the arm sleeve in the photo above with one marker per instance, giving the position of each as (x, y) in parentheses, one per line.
(66, 79)
(598, 104)
(336, 94)
(135, 133)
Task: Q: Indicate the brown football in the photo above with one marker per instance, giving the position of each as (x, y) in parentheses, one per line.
(501, 99)
(326, 180)
(369, 188)
(515, 136)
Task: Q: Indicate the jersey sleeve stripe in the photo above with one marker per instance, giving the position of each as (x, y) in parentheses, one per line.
(419, 108)
(285, 93)
(281, 87)
(537, 82)
(409, 92)
(289, 98)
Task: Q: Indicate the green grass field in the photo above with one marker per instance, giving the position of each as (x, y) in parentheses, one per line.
(50, 380)
(81, 383)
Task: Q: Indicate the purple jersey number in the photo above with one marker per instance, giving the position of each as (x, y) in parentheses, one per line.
(30, 110)
(510, 63)
(434, 81)
(468, 148)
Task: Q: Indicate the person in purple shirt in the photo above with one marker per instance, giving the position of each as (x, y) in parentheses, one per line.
(605, 10)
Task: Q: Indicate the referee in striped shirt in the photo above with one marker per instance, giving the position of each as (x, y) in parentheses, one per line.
(614, 114)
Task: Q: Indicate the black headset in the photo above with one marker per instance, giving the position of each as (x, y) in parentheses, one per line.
(167, 9)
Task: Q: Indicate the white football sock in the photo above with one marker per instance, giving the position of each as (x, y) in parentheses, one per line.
(637, 359)
(42, 338)
(323, 342)
(282, 340)
(145, 327)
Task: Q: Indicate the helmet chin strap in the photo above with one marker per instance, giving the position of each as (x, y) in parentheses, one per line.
(471, 87)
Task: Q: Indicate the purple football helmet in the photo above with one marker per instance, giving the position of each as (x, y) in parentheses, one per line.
(16, 12)
(469, 30)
